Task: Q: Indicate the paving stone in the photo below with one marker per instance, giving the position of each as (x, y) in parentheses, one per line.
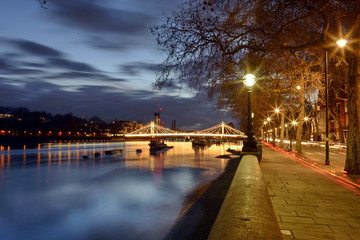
(335, 222)
(302, 203)
(347, 230)
(296, 219)
(286, 213)
(333, 215)
(319, 235)
(305, 227)
(287, 234)
(306, 212)
(354, 223)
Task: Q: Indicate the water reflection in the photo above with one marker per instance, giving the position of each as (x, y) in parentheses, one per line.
(52, 192)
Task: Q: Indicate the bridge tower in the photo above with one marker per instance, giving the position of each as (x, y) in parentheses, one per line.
(157, 119)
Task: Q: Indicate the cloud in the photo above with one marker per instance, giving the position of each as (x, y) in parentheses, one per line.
(31, 61)
(36, 49)
(75, 75)
(111, 25)
(4, 64)
(90, 16)
(134, 68)
(71, 65)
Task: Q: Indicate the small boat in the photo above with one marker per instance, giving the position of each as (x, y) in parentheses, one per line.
(156, 145)
(201, 143)
(115, 151)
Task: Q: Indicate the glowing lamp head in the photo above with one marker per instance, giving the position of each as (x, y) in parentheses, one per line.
(277, 110)
(249, 80)
(341, 42)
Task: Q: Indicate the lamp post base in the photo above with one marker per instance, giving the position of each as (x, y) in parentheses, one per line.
(251, 147)
(250, 144)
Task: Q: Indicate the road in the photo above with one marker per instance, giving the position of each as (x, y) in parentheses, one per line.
(314, 157)
(317, 154)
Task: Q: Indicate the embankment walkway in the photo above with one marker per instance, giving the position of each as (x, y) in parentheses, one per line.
(310, 200)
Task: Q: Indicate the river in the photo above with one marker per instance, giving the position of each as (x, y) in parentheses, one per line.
(54, 192)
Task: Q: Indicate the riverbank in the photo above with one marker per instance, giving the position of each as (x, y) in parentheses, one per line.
(18, 142)
(202, 206)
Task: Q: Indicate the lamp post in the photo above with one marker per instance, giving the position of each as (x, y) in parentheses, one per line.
(341, 43)
(250, 144)
(327, 159)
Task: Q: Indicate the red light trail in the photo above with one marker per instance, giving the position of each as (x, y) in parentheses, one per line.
(333, 175)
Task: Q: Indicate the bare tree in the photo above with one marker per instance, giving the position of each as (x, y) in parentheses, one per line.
(210, 45)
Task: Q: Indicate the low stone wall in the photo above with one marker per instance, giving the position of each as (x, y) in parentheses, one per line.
(247, 211)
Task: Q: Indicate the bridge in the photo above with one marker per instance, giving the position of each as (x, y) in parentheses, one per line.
(154, 130)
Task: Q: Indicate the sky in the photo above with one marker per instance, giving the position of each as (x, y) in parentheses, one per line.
(92, 58)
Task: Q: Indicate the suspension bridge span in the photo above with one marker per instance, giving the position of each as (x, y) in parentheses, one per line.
(154, 130)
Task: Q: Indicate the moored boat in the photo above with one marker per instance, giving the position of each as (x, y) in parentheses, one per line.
(156, 145)
(114, 151)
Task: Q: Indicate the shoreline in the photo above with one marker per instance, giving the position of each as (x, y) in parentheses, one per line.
(18, 142)
(201, 206)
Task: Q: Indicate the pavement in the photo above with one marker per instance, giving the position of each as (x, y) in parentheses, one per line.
(311, 200)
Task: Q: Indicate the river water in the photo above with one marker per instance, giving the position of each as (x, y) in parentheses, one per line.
(53, 192)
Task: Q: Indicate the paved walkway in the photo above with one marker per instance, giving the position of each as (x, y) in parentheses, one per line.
(311, 200)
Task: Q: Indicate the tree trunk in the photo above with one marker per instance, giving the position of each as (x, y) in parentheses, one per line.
(340, 127)
(299, 130)
(282, 130)
(299, 127)
(352, 164)
(316, 125)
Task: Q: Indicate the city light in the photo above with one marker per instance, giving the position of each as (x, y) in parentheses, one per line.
(341, 42)
(249, 80)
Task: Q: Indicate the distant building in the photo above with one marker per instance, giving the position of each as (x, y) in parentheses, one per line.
(6, 115)
(173, 124)
(341, 108)
(118, 128)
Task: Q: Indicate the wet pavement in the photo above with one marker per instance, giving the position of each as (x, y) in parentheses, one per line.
(311, 200)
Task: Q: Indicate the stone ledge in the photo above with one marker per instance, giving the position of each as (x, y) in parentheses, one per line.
(247, 211)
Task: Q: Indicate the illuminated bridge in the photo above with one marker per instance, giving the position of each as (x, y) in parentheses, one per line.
(221, 130)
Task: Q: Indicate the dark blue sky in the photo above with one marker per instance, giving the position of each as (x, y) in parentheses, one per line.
(91, 57)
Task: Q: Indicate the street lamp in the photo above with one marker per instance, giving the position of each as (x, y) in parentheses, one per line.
(341, 43)
(250, 144)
